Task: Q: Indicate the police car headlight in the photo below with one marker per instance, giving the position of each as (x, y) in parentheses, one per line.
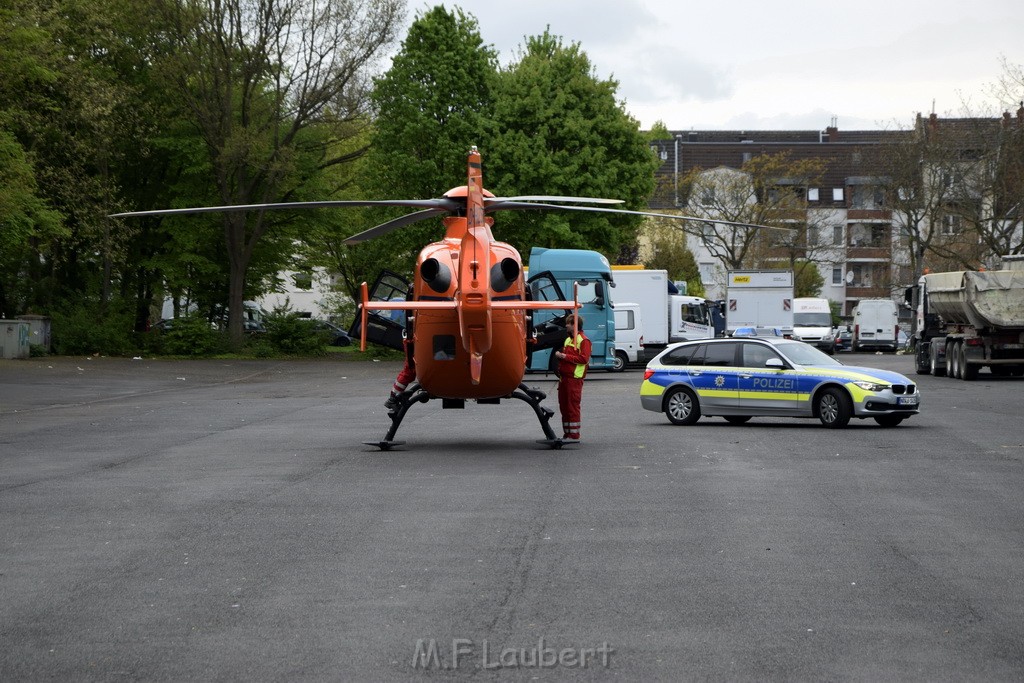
(872, 386)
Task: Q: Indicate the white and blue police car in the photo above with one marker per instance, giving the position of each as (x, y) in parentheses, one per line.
(743, 378)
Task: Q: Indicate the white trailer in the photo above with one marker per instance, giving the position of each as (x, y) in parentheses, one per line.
(759, 298)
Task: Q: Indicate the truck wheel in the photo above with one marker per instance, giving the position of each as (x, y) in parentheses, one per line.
(969, 371)
(958, 360)
(619, 364)
(888, 420)
(938, 369)
(950, 358)
(922, 365)
(682, 406)
(834, 408)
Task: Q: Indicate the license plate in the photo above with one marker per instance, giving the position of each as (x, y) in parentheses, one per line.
(907, 400)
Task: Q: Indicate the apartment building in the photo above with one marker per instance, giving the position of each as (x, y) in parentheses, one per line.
(856, 220)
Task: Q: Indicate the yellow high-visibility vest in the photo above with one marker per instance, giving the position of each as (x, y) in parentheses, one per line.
(580, 367)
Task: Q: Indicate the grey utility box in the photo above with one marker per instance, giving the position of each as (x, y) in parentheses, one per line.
(38, 330)
(14, 339)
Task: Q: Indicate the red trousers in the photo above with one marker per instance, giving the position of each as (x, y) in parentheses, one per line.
(570, 393)
(406, 375)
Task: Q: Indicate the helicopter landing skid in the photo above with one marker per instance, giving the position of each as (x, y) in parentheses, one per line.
(544, 414)
(413, 394)
(556, 444)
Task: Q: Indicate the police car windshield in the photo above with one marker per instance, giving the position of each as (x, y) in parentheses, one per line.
(805, 354)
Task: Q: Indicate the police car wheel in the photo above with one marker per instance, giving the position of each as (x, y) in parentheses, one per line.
(834, 408)
(682, 407)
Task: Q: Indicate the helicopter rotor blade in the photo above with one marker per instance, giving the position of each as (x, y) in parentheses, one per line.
(443, 205)
(399, 222)
(511, 205)
(552, 198)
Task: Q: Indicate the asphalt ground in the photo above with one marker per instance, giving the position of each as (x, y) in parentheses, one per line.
(212, 520)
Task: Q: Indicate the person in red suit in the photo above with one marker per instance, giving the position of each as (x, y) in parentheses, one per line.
(405, 375)
(573, 358)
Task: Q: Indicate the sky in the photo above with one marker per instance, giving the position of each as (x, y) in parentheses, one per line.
(785, 65)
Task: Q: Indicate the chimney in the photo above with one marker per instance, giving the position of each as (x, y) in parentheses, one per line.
(833, 133)
(1007, 121)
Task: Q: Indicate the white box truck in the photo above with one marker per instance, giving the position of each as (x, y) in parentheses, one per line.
(812, 323)
(660, 316)
(759, 298)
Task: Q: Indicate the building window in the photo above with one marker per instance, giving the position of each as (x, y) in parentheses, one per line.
(812, 235)
(837, 276)
(812, 194)
(951, 225)
(837, 194)
(707, 272)
(837, 235)
(303, 280)
(904, 236)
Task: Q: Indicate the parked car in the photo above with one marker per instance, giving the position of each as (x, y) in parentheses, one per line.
(902, 341)
(741, 378)
(844, 341)
(336, 336)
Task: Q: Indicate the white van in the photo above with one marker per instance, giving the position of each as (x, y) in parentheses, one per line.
(629, 337)
(812, 323)
(875, 325)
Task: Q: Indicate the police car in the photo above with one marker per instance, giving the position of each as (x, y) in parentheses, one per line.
(742, 378)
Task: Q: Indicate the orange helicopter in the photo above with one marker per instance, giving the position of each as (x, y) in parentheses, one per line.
(467, 312)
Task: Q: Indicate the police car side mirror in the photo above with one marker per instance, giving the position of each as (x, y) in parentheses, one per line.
(775, 363)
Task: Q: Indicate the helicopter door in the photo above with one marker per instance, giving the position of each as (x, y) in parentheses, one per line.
(386, 328)
(549, 326)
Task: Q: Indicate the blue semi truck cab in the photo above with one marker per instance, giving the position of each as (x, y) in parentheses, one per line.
(592, 273)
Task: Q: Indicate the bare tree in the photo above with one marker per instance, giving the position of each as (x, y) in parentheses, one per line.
(770, 190)
(256, 75)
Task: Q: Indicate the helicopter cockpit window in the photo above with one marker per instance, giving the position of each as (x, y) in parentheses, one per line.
(444, 347)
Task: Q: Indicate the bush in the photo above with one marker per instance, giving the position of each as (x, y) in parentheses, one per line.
(87, 327)
(189, 336)
(292, 335)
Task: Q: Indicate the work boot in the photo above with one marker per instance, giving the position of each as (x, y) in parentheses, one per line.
(391, 404)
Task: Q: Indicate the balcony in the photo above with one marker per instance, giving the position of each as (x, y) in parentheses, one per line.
(867, 252)
(854, 292)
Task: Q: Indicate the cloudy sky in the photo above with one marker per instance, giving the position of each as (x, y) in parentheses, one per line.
(794, 64)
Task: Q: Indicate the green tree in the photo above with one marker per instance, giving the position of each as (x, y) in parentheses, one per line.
(70, 98)
(563, 132)
(432, 105)
(807, 280)
(255, 78)
(669, 252)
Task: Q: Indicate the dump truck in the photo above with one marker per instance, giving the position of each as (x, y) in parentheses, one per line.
(968, 320)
